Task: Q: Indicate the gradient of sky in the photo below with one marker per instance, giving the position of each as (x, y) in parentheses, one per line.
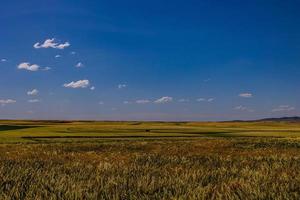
(150, 60)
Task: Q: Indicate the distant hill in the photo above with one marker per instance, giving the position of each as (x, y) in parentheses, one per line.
(281, 119)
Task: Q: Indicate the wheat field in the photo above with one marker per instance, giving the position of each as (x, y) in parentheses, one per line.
(149, 160)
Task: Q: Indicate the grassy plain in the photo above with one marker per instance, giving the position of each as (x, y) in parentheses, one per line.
(149, 160)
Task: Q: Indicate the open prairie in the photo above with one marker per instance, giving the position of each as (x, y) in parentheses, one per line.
(149, 160)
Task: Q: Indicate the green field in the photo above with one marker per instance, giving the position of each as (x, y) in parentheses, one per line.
(149, 160)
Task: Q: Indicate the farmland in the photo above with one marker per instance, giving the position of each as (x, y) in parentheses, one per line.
(149, 160)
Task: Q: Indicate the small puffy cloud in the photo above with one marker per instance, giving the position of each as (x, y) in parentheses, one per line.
(101, 103)
(28, 66)
(243, 108)
(142, 101)
(77, 84)
(164, 100)
(32, 67)
(126, 102)
(121, 86)
(32, 92)
(205, 100)
(50, 43)
(57, 56)
(3, 102)
(79, 65)
(3, 60)
(92, 88)
(33, 101)
(283, 108)
(73, 53)
(246, 95)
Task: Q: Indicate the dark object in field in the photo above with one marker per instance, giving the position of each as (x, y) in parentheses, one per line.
(148, 130)
(13, 127)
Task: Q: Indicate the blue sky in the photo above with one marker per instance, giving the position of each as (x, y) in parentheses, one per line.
(149, 60)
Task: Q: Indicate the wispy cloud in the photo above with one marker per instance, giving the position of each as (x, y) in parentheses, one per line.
(121, 86)
(50, 43)
(246, 95)
(165, 99)
(283, 108)
(57, 56)
(210, 99)
(33, 101)
(46, 68)
(3, 102)
(205, 100)
(243, 108)
(142, 101)
(3, 60)
(32, 92)
(92, 88)
(77, 84)
(79, 65)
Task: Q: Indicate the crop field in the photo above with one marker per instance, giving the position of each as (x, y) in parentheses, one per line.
(149, 160)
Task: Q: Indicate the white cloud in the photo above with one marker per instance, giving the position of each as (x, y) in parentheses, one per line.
(50, 43)
(92, 88)
(142, 101)
(77, 84)
(32, 67)
(121, 86)
(73, 53)
(246, 95)
(79, 65)
(283, 108)
(164, 100)
(3, 60)
(243, 108)
(62, 46)
(58, 56)
(101, 103)
(28, 66)
(33, 92)
(205, 100)
(33, 101)
(3, 102)
(210, 100)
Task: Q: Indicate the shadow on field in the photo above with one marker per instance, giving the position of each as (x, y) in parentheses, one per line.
(127, 136)
(12, 127)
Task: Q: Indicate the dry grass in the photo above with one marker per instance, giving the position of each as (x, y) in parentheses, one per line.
(201, 168)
